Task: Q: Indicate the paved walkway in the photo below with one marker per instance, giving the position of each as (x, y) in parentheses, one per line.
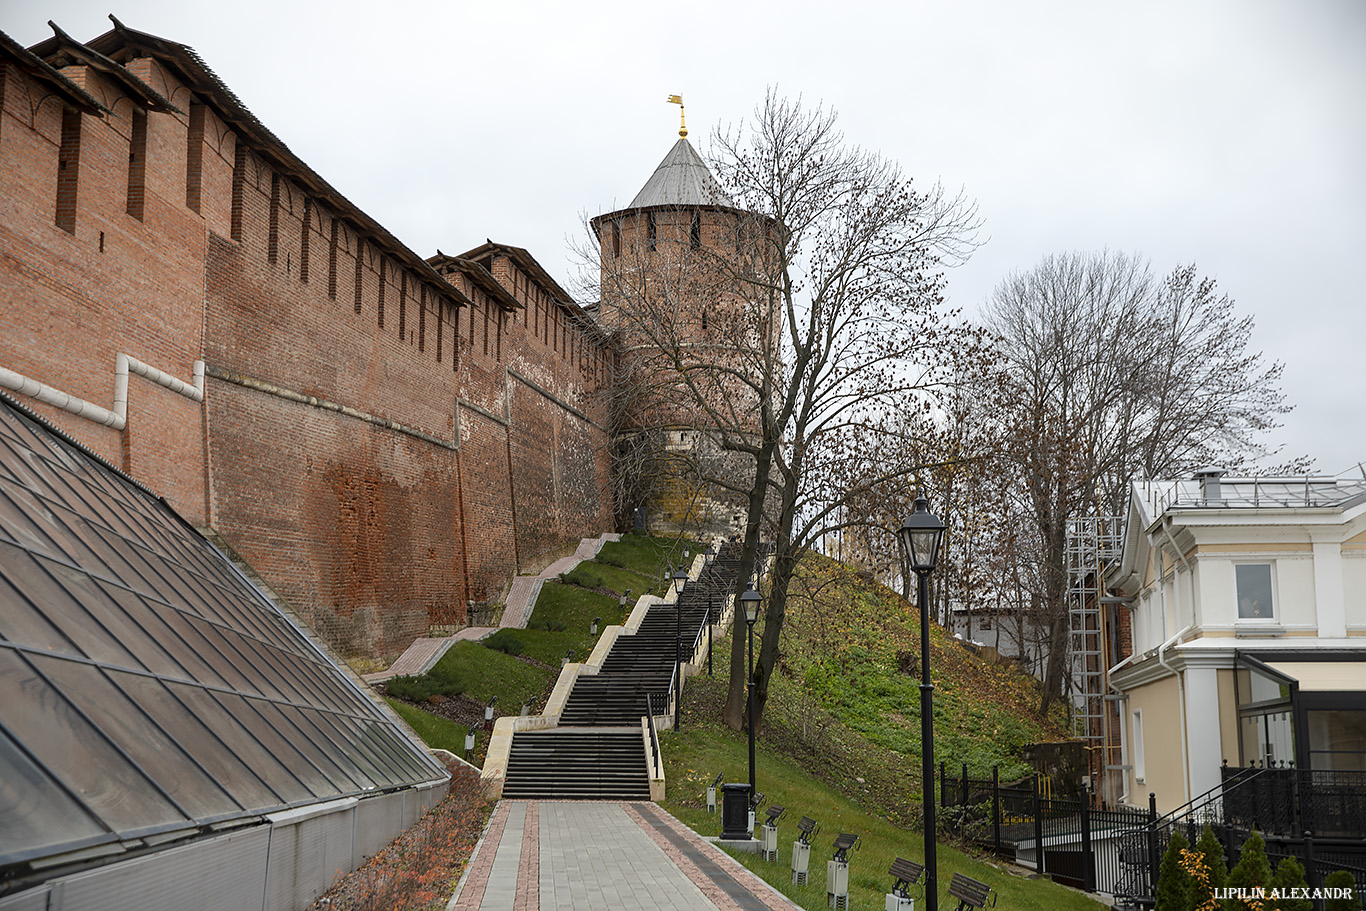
(599, 855)
(423, 654)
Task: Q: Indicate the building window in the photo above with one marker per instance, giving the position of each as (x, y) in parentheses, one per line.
(1139, 771)
(696, 236)
(649, 230)
(616, 239)
(1254, 591)
(1337, 739)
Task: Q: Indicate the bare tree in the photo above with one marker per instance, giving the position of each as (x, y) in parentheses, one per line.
(1108, 374)
(784, 345)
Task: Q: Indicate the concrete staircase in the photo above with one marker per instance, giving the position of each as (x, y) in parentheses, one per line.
(578, 764)
(599, 751)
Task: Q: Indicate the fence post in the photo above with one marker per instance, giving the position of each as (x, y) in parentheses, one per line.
(1311, 866)
(963, 803)
(1038, 826)
(1153, 860)
(996, 808)
(1088, 857)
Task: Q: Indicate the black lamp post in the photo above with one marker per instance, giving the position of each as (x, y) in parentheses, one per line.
(710, 555)
(920, 536)
(680, 579)
(749, 601)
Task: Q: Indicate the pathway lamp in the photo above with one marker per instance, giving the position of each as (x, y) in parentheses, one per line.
(921, 534)
(488, 713)
(680, 579)
(568, 657)
(469, 744)
(708, 556)
(594, 628)
(625, 596)
(749, 602)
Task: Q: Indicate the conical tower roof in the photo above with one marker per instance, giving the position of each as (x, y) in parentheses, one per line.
(682, 179)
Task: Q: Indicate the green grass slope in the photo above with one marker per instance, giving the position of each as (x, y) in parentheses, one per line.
(819, 789)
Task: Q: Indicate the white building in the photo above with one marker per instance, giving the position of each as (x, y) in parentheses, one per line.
(1248, 626)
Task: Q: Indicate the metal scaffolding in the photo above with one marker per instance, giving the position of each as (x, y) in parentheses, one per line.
(1092, 543)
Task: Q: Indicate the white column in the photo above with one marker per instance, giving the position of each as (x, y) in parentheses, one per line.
(1203, 750)
(1329, 598)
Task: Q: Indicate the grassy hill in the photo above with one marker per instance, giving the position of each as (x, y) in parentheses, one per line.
(841, 738)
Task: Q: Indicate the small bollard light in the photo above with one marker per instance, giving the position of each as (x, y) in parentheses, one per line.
(469, 743)
(801, 849)
(711, 793)
(594, 628)
(568, 657)
(488, 713)
(837, 871)
(769, 832)
(625, 596)
(526, 708)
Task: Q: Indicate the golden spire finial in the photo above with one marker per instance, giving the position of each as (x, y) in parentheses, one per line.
(682, 125)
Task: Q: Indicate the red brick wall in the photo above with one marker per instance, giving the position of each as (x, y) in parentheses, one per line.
(362, 443)
(117, 284)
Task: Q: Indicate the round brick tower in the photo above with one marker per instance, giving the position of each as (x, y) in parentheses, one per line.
(678, 290)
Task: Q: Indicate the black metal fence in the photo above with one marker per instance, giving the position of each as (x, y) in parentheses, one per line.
(1317, 817)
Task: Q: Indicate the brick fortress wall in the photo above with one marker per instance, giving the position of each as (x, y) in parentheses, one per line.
(384, 442)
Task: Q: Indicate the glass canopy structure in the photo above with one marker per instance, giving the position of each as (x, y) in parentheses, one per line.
(148, 692)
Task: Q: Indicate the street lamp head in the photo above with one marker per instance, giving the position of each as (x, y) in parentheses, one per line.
(749, 602)
(920, 536)
(680, 578)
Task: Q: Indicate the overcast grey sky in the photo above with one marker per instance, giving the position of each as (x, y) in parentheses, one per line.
(1231, 134)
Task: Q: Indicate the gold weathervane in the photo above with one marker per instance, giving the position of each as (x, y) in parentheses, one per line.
(682, 125)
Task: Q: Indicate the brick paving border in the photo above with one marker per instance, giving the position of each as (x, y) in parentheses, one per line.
(746, 882)
(471, 894)
(529, 862)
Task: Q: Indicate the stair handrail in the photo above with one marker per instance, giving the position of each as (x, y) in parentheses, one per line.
(1201, 801)
(656, 754)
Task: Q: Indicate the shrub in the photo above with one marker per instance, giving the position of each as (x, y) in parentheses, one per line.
(553, 626)
(583, 577)
(612, 559)
(1290, 875)
(1173, 880)
(1341, 879)
(506, 641)
(421, 688)
(1216, 868)
(1252, 870)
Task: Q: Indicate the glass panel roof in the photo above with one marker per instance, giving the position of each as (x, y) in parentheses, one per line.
(147, 685)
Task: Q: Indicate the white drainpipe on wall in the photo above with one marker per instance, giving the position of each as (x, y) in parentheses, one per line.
(116, 418)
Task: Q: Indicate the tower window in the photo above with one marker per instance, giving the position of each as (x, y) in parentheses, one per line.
(696, 230)
(649, 230)
(616, 239)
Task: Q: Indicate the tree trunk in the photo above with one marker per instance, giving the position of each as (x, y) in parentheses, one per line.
(734, 715)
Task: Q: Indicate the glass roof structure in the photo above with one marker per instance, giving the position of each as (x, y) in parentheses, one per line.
(147, 690)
